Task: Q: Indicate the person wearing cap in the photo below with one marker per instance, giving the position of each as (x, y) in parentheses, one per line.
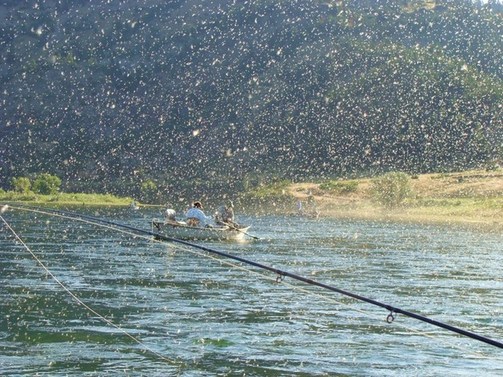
(170, 215)
(225, 215)
(196, 217)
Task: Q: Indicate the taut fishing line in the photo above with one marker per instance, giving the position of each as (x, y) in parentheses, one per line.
(80, 302)
(294, 287)
(281, 274)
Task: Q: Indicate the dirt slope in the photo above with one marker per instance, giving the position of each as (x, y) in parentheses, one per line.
(472, 197)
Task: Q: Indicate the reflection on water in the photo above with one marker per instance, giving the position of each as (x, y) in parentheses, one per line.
(211, 316)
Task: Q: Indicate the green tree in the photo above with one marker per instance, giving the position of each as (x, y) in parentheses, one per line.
(46, 184)
(148, 190)
(21, 184)
(391, 189)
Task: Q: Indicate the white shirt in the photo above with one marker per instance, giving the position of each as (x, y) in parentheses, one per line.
(198, 214)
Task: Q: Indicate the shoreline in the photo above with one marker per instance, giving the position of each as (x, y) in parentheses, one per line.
(375, 214)
(476, 218)
(469, 199)
(478, 224)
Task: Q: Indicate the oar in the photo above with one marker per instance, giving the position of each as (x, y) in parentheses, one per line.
(239, 230)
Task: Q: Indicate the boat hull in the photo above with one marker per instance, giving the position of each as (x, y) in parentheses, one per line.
(185, 232)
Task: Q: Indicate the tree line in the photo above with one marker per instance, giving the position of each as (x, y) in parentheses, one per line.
(188, 97)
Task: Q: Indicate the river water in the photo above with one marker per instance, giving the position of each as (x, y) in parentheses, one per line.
(131, 306)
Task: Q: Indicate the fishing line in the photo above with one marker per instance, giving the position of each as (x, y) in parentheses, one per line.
(281, 274)
(255, 272)
(297, 288)
(432, 335)
(80, 302)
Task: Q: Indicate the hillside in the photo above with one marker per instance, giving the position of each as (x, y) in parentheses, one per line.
(469, 198)
(197, 97)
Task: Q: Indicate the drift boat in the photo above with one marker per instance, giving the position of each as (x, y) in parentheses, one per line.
(181, 230)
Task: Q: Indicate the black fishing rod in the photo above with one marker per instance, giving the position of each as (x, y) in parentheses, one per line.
(281, 273)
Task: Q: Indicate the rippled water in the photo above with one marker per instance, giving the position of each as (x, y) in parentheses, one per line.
(179, 311)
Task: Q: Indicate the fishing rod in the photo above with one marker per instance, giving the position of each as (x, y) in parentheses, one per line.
(232, 226)
(393, 310)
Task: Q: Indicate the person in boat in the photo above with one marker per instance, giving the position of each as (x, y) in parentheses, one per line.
(170, 215)
(196, 216)
(225, 215)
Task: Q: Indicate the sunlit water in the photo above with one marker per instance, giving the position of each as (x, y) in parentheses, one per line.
(180, 311)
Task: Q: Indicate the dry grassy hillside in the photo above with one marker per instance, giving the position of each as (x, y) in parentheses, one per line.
(473, 197)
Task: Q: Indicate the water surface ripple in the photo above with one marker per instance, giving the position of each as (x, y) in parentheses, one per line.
(212, 316)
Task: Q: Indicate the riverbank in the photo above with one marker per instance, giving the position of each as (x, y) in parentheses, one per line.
(65, 199)
(472, 198)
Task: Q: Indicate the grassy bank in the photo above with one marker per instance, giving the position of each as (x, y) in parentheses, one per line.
(65, 199)
(473, 198)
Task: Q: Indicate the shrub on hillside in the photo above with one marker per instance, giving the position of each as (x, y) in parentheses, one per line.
(340, 187)
(21, 185)
(148, 191)
(46, 184)
(391, 189)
